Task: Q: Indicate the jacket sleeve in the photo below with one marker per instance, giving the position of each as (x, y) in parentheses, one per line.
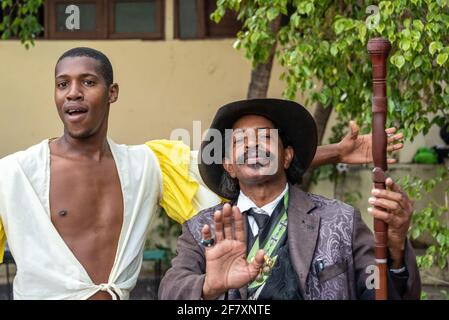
(185, 279)
(406, 285)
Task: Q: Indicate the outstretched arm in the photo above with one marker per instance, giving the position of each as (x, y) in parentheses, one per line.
(355, 148)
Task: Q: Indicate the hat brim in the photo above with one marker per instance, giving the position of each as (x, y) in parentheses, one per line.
(292, 118)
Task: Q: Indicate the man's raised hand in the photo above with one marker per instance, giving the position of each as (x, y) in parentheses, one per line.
(226, 265)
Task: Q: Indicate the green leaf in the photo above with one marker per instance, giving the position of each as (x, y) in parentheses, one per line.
(362, 32)
(255, 36)
(405, 44)
(309, 8)
(272, 13)
(441, 239)
(417, 24)
(343, 24)
(415, 233)
(339, 27)
(406, 23)
(418, 61)
(334, 50)
(237, 44)
(398, 61)
(441, 58)
(295, 19)
(435, 46)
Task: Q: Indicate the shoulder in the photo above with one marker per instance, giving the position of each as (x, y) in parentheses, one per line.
(334, 214)
(325, 206)
(135, 154)
(206, 216)
(30, 155)
(137, 149)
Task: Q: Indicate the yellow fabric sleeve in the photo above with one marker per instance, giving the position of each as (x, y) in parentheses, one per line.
(183, 191)
(2, 241)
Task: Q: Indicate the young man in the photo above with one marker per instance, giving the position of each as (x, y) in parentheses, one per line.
(76, 209)
(274, 241)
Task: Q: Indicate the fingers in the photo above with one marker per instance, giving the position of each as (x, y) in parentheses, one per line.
(259, 258)
(227, 221)
(395, 201)
(239, 224)
(385, 204)
(206, 232)
(394, 141)
(389, 195)
(394, 137)
(387, 217)
(391, 160)
(354, 129)
(395, 147)
(406, 202)
(218, 219)
(256, 264)
(392, 185)
(392, 206)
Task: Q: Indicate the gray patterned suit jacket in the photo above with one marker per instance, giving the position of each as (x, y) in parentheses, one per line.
(318, 228)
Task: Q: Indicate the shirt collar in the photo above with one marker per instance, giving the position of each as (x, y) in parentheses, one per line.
(244, 203)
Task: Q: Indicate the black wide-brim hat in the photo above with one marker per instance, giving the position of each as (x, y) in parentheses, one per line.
(295, 122)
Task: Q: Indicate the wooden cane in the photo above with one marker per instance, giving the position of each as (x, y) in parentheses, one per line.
(378, 49)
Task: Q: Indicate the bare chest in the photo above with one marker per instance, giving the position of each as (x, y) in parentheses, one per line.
(86, 205)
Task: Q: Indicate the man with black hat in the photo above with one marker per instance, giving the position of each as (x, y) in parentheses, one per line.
(274, 241)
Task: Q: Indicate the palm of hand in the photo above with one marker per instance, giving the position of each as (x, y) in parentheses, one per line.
(226, 265)
(357, 148)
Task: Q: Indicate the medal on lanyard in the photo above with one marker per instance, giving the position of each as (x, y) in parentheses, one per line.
(271, 244)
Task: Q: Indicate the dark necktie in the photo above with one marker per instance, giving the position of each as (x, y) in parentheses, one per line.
(261, 221)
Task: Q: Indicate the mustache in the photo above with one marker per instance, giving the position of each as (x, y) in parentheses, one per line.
(255, 153)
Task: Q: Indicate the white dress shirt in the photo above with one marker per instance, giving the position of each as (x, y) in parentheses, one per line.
(244, 203)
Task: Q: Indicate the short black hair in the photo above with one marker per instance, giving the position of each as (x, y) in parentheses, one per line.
(105, 64)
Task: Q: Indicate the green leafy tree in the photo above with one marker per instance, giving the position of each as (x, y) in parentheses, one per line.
(18, 19)
(322, 46)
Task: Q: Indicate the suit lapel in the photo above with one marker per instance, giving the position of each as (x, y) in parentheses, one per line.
(303, 230)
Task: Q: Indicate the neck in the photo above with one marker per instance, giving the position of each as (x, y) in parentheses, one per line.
(94, 147)
(265, 192)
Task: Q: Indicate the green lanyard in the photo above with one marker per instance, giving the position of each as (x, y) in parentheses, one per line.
(269, 248)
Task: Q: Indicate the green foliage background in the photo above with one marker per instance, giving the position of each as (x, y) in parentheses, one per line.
(322, 46)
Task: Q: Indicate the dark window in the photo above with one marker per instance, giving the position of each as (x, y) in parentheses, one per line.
(136, 19)
(102, 19)
(192, 21)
